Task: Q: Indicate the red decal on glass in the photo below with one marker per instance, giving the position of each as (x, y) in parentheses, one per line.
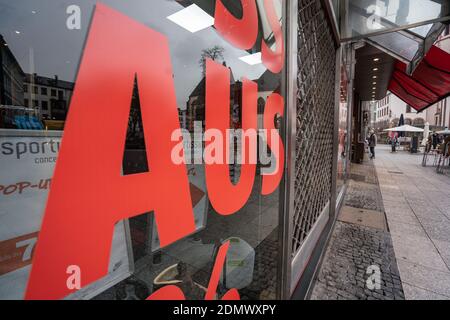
(175, 293)
(226, 197)
(89, 194)
(274, 106)
(215, 276)
(273, 60)
(168, 293)
(241, 33)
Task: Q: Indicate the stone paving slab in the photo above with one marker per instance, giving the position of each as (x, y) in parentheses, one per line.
(405, 215)
(418, 250)
(415, 293)
(429, 279)
(363, 217)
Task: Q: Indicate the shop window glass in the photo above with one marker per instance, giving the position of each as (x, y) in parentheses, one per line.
(246, 75)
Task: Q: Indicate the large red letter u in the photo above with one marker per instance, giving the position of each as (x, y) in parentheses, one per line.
(225, 197)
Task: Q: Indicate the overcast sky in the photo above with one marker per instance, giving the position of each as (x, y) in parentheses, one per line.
(47, 47)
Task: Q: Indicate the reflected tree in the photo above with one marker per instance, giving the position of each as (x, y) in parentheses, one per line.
(214, 53)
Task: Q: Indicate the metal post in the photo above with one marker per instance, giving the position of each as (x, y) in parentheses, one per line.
(289, 83)
(337, 88)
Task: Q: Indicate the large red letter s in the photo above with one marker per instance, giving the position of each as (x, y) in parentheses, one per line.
(241, 33)
(89, 194)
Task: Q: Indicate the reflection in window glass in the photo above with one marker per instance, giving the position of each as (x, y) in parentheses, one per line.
(343, 134)
(368, 16)
(49, 65)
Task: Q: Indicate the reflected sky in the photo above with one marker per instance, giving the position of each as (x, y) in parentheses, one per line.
(394, 12)
(47, 47)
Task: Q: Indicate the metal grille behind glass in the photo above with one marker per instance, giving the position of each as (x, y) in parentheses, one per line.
(315, 118)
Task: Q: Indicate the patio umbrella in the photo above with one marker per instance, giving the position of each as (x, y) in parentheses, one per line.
(401, 122)
(426, 133)
(405, 128)
(445, 132)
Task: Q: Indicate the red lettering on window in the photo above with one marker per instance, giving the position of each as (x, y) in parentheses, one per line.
(273, 60)
(241, 33)
(175, 293)
(225, 197)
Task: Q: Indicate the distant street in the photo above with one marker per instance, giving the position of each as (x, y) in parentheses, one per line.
(396, 215)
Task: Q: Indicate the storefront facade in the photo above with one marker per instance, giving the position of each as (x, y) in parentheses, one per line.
(150, 197)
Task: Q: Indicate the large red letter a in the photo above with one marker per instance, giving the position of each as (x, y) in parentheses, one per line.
(89, 194)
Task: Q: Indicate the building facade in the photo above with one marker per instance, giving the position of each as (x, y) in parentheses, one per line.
(11, 77)
(390, 109)
(50, 96)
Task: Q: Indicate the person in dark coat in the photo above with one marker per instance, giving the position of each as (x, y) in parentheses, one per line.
(434, 140)
(394, 144)
(372, 144)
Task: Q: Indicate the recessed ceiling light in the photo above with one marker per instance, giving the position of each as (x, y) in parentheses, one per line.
(374, 88)
(375, 69)
(376, 59)
(252, 59)
(192, 18)
(33, 11)
(17, 32)
(374, 77)
(374, 82)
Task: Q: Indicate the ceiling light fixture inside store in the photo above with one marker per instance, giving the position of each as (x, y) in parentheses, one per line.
(17, 32)
(252, 59)
(192, 18)
(376, 59)
(375, 69)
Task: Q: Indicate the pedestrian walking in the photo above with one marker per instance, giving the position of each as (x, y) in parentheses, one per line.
(372, 143)
(435, 140)
(394, 142)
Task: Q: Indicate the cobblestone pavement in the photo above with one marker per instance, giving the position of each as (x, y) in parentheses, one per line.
(417, 205)
(355, 248)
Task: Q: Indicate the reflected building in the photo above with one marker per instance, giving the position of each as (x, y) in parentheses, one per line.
(195, 106)
(11, 77)
(50, 96)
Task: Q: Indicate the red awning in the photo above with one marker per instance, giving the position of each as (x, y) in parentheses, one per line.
(429, 83)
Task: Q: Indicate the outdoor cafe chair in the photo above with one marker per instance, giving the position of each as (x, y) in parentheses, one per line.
(444, 159)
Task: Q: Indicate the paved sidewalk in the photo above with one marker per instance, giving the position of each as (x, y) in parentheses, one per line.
(417, 205)
(360, 241)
